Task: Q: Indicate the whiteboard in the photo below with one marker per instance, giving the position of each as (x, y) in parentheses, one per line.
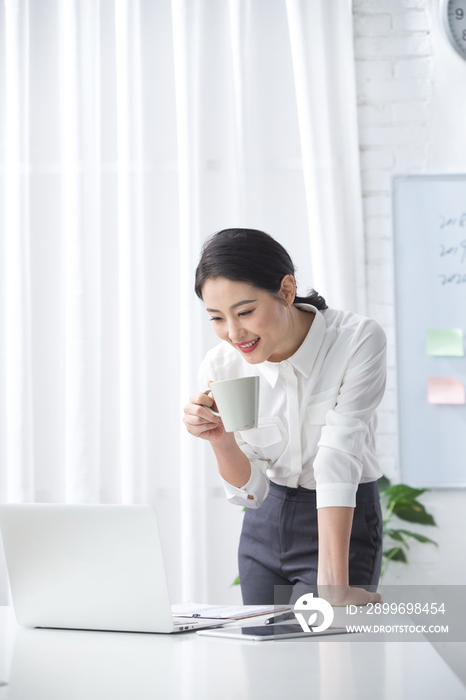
(429, 233)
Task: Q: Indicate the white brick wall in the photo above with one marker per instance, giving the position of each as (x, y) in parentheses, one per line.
(394, 73)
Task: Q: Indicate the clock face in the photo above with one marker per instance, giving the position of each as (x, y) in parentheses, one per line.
(454, 22)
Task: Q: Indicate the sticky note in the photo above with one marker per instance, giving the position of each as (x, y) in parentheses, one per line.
(446, 342)
(445, 390)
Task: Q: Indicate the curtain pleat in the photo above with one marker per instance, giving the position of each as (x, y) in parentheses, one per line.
(238, 17)
(341, 75)
(330, 159)
(130, 252)
(186, 18)
(308, 138)
(80, 153)
(16, 268)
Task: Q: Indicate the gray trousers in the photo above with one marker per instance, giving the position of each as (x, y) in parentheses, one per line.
(279, 545)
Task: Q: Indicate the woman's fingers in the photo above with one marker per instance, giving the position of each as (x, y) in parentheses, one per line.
(201, 399)
(204, 422)
(197, 415)
(207, 431)
(199, 421)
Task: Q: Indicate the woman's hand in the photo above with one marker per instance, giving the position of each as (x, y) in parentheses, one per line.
(339, 596)
(199, 421)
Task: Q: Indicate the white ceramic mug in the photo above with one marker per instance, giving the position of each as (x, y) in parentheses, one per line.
(237, 401)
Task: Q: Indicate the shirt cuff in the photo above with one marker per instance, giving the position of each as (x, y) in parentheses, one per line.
(251, 494)
(329, 495)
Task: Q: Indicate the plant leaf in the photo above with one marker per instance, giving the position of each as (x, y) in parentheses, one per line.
(384, 484)
(415, 513)
(395, 535)
(397, 554)
(235, 582)
(417, 536)
(403, 492)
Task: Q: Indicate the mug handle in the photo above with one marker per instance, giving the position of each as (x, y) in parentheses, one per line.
(207, 392)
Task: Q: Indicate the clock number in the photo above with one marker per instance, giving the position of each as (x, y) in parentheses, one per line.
(453, 16)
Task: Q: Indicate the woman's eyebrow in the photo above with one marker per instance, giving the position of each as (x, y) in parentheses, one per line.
(233, 306)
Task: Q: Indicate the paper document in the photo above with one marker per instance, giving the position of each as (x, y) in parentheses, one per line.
(224, 612)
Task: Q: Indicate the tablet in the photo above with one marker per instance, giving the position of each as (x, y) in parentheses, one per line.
(267, 632)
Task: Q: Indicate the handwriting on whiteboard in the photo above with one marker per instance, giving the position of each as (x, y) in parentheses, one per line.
(454, 251)
(456, 278)
(451, 221)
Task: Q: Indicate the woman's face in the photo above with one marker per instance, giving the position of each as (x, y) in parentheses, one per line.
(256, 323)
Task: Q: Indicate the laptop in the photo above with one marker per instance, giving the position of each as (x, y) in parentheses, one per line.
(95, 567)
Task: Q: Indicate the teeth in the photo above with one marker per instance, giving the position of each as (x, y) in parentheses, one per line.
(251, 343)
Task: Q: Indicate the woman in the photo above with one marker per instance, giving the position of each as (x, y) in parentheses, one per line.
(307, 475)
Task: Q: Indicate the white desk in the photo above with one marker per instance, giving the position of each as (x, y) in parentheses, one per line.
(69, 665)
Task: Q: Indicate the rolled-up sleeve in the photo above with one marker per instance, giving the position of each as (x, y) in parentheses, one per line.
(254, 493)
(348, 427)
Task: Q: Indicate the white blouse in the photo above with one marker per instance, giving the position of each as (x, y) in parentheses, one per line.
(316, 410)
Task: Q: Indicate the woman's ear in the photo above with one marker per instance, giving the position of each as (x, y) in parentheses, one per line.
(288, 289)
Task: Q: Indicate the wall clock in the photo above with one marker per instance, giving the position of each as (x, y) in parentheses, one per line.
(453, 15)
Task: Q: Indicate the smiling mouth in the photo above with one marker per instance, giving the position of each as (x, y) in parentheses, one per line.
(248, 347)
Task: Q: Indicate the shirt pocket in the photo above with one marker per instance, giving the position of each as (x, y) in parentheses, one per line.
(269, 432)
(320, 404)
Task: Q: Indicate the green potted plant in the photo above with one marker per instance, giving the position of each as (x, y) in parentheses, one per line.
(400, 501)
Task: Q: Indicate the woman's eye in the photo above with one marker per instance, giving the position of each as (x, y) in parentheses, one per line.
(245, 313)
(215, 318)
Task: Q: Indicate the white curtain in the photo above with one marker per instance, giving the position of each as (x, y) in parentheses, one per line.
(131, 130)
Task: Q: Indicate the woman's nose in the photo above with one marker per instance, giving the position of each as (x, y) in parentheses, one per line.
(236, 332)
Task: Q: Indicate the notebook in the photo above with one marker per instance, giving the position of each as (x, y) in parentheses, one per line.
(95, 567)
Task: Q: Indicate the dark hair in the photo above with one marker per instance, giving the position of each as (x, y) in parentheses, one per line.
(247, 255)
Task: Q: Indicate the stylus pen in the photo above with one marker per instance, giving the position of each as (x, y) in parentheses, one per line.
(279, 618)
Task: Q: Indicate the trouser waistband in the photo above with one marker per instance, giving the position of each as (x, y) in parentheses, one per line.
(367, 492)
